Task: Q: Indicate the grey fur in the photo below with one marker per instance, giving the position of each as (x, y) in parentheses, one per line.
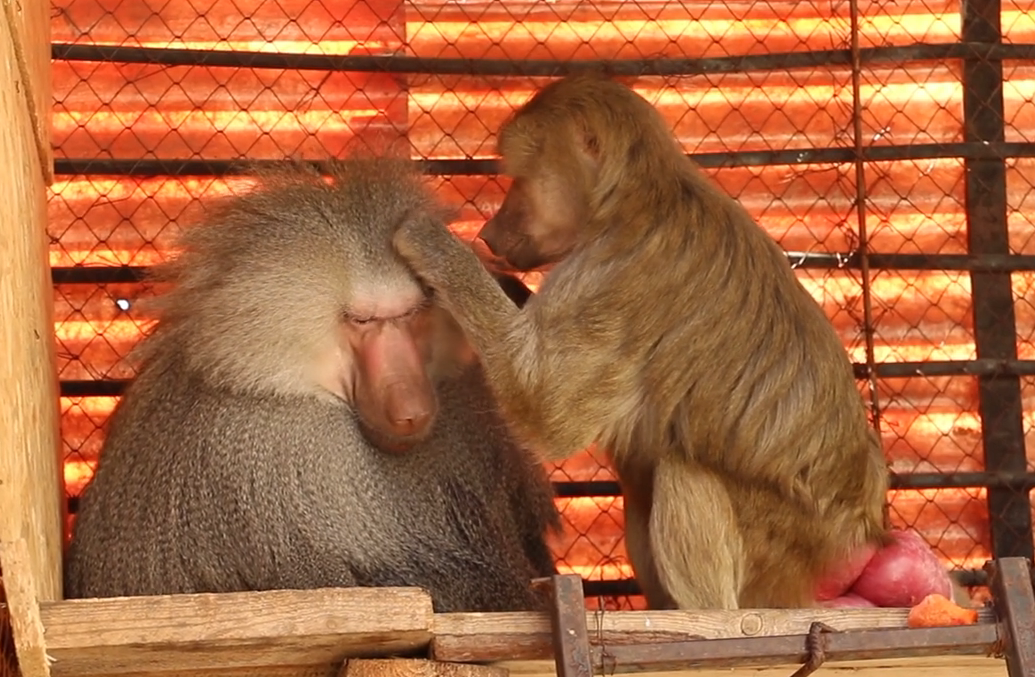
(214, 479)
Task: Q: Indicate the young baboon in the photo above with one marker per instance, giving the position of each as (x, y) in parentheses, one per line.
(672, 332)
(304, 417)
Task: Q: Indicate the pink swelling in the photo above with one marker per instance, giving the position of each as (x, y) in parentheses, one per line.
(899, 575)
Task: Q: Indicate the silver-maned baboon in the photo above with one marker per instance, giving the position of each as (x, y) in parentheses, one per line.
(305, 416)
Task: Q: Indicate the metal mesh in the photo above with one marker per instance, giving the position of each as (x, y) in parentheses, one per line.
(871, 138)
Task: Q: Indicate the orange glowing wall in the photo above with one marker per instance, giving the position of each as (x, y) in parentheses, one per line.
(105, 110)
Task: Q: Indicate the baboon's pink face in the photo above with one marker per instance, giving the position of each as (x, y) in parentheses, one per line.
(385, 348)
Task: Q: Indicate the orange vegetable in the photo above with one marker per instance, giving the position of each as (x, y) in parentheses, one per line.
(935, 611)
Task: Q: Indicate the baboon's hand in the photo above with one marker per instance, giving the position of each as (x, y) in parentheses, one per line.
(461, 284)
(421, 240)
(437, 256)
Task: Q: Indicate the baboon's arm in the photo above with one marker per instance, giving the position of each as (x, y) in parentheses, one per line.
(556, 396)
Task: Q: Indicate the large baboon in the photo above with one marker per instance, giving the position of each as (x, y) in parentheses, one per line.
(305, 416)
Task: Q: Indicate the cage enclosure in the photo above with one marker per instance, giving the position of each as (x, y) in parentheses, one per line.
(885, 145)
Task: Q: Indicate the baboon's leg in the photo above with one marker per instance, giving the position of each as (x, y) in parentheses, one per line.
(637, 500)
(694, 537)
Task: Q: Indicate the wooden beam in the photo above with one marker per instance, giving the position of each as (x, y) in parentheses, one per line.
(521, 643)
(30, 42)
(527, 636)
(325, 670)
(223, 632)
(30, 480)
(949, 666)
(906, 667)
(416, 667)
(311, 633)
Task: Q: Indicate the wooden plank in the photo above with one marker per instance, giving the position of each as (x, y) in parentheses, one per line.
(30, 494)
(324, 670)
(221, 632)
(919, 667)
(904, 667)
(416, 667)
(30, 21)
(526, 636)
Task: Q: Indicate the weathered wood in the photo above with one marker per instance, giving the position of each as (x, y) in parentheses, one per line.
(912, 667)
(210, 632)
(416, 667)
(526, 636)
(948, 666)
(30, 489)
(311, 633)
(324, 670)
(30, 24)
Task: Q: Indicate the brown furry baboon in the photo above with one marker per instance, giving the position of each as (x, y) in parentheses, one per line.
(673, 332)
(304, 417)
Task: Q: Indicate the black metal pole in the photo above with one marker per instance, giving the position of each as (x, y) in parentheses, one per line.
(64, 166)
(403, 64)
(995, 328)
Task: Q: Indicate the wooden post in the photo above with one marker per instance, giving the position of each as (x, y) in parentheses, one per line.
(30, 479)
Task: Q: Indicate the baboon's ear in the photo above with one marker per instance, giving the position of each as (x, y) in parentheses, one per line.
(590, 144)
(587, 144)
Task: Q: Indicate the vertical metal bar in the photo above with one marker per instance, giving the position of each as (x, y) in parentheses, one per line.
(1010, 582)
(860, 211)
(995, 329)
(570, 634)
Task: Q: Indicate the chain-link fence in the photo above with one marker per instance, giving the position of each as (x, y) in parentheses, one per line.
(8, 656)
(882, 143)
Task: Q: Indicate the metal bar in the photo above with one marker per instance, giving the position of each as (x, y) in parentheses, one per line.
(97, 274)
(972, 640)
(1010, 582)
(1015, 481)
(986, 367)
(979, 367)
(970, 577)
(1018, 481)
(403, 64)
(967, 480)
(863, 250)
(972, 262)
(804, 260)
(995, 327)
(568, 616)
(620, 587)
(89, 388)
(490, 166)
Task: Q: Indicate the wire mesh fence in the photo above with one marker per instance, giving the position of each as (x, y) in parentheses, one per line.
(884, 145)
(8, 657)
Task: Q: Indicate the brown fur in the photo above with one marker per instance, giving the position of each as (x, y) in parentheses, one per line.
(226, 467)
(673, 332)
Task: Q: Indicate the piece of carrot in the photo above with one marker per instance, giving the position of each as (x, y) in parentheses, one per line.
(935, 611)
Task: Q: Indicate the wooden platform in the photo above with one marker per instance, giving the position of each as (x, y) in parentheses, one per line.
(182, 633)
(311, 633)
